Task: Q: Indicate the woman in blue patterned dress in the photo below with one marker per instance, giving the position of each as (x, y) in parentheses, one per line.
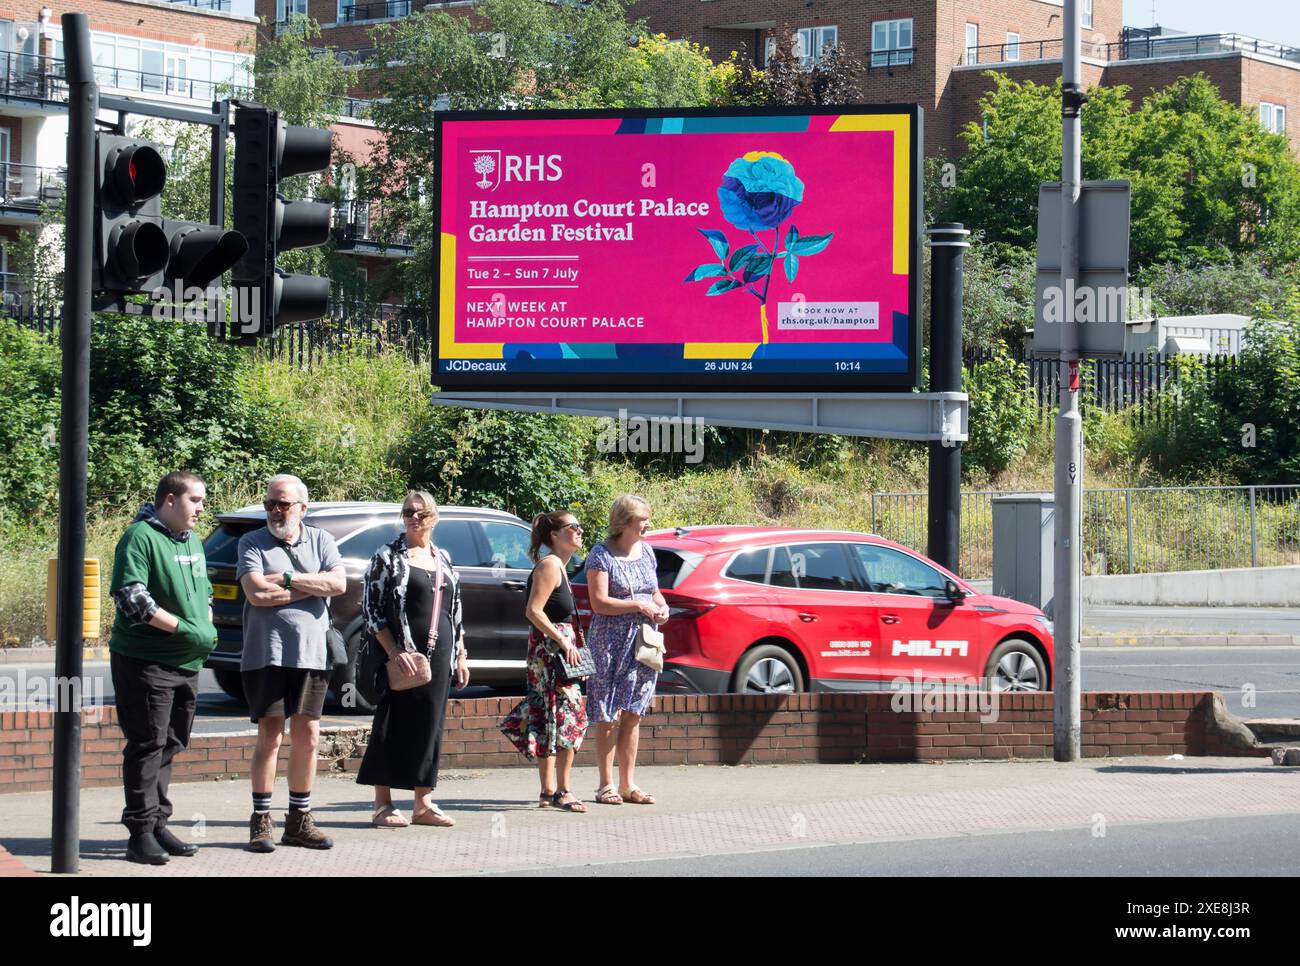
(624, 594)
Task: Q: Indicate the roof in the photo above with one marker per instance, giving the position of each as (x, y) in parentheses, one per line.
(363, 508)
(722, 536)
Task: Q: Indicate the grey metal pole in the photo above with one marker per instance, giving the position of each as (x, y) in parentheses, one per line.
(947, 249)
(83, 105)
(1067, 598)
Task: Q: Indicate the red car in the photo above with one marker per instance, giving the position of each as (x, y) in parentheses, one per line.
(761, 610)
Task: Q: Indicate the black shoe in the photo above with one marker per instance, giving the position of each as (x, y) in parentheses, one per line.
(144, 848)
(172, 845)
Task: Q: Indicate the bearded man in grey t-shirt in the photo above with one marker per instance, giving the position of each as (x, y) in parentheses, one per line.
(288, 571)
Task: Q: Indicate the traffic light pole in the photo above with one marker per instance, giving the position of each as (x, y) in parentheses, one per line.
(1068, 565)
(83, 98)
(948, 242)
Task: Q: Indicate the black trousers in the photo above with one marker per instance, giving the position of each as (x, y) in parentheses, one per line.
(155, 710)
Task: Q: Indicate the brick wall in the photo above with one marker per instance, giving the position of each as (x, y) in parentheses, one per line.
(699, 729)
(141, 18)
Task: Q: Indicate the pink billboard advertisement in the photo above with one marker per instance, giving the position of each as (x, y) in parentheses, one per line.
(685, 250)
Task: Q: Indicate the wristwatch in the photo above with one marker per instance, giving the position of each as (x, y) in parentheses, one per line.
(288, 579)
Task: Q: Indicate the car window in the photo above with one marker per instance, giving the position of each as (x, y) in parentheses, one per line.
(222, 544)
(668, 564)
(891, 572)
(508, 545)
(454, 536)
(750, 565)
(782, 569)
(822, 566)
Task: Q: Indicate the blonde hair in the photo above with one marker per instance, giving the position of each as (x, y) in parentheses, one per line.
(425, 497)
(623, 510)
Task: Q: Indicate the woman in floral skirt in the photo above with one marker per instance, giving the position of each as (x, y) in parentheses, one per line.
(624, 594)
(548, 724)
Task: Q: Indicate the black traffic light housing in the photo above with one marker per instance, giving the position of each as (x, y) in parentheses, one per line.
(137, 251)
(266, 151)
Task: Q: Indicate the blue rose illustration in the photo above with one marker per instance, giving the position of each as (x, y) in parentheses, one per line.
(759, 190)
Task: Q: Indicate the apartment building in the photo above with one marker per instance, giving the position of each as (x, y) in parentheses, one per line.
(144, 49)
(936, 52)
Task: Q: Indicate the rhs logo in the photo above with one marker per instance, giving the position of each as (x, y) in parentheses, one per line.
(487, 165)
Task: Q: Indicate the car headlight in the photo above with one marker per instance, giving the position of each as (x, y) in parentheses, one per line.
(1042, 619)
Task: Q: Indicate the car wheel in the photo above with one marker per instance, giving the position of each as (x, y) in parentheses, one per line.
(1016, 665)
(767, 669)
(230, 682)
(344, 683)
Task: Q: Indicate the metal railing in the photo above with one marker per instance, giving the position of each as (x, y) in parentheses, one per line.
(31, 186)
(376, 11)
(1132, 47)
(223, 5)
(898, 57)
(356, 221)
(1129, 531)
(42, 78)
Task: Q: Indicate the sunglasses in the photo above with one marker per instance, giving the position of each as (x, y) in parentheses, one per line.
(422, 514)
(284, 506)
(575, 527)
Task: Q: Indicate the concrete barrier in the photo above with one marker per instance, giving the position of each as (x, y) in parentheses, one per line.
(1239, 587)
(1242, 587)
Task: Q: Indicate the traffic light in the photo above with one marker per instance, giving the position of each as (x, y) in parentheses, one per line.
(266, 151)
(137, 250)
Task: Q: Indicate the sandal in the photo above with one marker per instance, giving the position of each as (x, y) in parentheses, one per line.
(544, 799)
(386, 816)
(637, 797)
(606, 795)
(438, 818)
(572, 805)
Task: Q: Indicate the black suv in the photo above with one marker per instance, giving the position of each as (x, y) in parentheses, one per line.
(489, 549)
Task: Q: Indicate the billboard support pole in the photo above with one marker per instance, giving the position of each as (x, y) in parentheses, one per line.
(948, 242)
(83, 102)
(1067, 727)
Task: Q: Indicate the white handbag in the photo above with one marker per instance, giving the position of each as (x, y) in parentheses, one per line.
(650, 647)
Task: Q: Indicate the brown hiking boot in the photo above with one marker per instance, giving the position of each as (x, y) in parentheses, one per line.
(300, 829)
(261, 831)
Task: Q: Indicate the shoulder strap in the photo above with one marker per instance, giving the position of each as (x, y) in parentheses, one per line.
(573, 618)
(437, 598)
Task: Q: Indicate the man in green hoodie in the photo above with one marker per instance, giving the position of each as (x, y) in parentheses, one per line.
(162, 635)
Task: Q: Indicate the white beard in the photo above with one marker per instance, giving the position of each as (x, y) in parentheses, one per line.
(282, 531)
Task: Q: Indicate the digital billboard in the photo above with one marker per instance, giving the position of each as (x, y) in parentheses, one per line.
(773, 249)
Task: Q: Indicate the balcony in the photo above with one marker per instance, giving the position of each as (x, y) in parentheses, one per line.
(31, 76)
(1137, 45)
(26, 188)
(358, 12)
(356, 230)
(899, 57)
(223, 5)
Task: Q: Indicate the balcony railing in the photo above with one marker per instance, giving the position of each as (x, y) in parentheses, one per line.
(42, 78)
(377, 11)
(224, 5)
(29, 186)
(901, 57)
(1133, 47)
(357, 222)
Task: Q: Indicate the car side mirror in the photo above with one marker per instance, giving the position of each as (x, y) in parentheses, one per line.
(953, 592)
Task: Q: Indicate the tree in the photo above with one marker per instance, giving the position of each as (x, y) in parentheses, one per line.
(832, 79)
(1207, 180)
(514, 53)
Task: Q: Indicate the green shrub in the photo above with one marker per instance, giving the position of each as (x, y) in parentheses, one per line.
(520, 462)
(1001, 412)
(29, 418)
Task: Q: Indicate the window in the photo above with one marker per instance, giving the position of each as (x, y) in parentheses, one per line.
(508, 544)
(811, 44)
(151, 66)
(972, 43)
(891, 572)
(819, 566)
(1085, 15)
(284, 9)
(1013, 46)
(1273, 117)
(891, 42)
(750, 565)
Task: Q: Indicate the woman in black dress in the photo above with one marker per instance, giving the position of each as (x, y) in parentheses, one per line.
(401, 592)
